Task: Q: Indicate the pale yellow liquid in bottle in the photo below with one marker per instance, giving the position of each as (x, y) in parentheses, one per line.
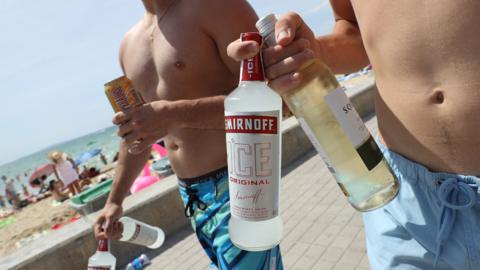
(366, 189)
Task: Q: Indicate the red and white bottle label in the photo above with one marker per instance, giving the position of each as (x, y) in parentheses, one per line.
(143, 235)
(253, 149)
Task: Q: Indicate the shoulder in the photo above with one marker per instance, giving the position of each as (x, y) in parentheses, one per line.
(222, 13)
(126, 41)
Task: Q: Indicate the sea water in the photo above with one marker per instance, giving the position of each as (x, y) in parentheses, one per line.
(106, 139)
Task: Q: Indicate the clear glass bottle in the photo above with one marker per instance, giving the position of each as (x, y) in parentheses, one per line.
(102, 259)
(252, 122)
(334, 127)
(139, 233)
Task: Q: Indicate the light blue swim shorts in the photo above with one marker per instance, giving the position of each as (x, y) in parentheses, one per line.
(433, 223)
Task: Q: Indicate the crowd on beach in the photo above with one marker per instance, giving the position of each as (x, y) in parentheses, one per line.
(64, 180)
(37, 201)
(61, 178)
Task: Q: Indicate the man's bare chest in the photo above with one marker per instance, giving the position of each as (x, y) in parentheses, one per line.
(159, 69)
(169, 69)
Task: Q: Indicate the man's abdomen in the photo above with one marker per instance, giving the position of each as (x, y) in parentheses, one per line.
(194, 152)
(437, 127)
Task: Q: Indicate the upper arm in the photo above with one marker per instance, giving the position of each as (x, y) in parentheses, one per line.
(343, 10)
(56, 172)
(121, 52)
(124, 45)
(224, 21)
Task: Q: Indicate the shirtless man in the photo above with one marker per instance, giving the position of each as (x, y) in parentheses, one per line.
(426, 63)
(176, 58)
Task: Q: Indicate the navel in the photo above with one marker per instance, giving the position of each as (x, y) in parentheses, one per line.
(438, 97)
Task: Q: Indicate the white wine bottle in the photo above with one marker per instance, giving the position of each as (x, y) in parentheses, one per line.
(252, 123)
(337, 132)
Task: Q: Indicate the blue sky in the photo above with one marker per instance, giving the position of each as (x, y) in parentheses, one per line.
(55, 58)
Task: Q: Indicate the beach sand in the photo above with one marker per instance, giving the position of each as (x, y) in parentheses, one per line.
(39, 218)
(33, 219)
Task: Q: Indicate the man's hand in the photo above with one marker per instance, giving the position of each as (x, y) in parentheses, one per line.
(107, 225)
(283, 63)
(144, 125)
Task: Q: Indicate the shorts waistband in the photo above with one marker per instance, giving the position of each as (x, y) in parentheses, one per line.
(213, 175)
(418, 172)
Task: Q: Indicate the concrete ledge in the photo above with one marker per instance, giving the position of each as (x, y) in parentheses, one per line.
(363, 98)
(160, 205)
(70, 246)
(294, 141)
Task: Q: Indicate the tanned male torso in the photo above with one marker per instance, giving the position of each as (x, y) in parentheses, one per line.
(173, 58)
(426, 58)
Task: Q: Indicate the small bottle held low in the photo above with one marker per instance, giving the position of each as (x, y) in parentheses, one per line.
(139, 233)
(102, 259)
(334, 127)
(139, 263)
(252, 123)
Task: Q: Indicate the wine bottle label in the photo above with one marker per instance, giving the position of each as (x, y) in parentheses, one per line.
(316, 144)
(143, 235)
(253, 150)
(352, 124)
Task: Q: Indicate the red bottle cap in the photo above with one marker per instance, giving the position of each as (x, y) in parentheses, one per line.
(252, 68)
(251, 36)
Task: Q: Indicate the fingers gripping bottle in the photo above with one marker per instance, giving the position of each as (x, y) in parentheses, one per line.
(335, 129)
(252, 124)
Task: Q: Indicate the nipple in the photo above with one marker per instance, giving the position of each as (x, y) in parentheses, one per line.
(179, 65)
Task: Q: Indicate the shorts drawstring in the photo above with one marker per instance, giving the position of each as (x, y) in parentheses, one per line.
(193, 199)
(448, 193)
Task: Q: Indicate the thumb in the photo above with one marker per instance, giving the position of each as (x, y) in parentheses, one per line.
(106, 223)
(287, 27)
(239, 50)
(106, 226)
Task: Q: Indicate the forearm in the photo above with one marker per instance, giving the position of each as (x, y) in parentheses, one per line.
(343, 50)
(127, 170)
(204, 113)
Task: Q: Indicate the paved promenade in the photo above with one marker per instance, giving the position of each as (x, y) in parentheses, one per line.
(321, 230)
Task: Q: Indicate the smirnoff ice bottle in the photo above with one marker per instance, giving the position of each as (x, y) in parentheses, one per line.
(102, 259)
(139, 233)
(252, 124)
